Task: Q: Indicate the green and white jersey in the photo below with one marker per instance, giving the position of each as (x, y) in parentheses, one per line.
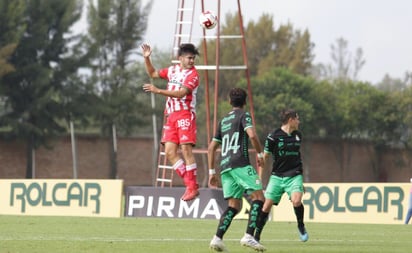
(231, 134)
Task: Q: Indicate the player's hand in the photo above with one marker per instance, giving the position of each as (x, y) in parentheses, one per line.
(261, 162)
(146, 50)
(148, 87)
(213, 181)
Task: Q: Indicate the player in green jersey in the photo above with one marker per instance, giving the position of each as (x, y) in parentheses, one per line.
(238, 176)
(286, 177)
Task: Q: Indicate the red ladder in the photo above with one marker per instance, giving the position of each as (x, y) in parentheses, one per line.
(186, 14)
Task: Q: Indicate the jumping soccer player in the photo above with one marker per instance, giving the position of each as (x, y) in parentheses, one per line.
(180, 126)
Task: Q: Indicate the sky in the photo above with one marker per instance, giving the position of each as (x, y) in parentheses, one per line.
(381, 28)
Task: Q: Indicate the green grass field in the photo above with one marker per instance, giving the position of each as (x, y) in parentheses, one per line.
(141, 235)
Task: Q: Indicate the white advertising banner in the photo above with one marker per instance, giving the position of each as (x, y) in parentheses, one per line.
(379, 203)
(61, 197)
(166, 202)
(375, 203)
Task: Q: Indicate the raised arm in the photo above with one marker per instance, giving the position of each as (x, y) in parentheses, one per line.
(150, 69)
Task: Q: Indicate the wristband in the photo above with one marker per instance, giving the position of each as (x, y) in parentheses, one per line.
(260, 155)
(212, 171)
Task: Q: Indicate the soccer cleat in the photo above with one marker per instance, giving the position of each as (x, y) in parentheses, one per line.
(190, 194)
(303, 235)
(249, 241)
(217, 244)
(191, 186)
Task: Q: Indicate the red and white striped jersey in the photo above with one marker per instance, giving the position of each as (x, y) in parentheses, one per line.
(178, 77)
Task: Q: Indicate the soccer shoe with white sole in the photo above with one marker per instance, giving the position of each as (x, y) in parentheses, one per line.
(303, 235)
(217, 244)
(249, 241)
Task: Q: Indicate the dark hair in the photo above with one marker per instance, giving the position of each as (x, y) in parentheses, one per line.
(287, 114)
(187, 48)
(237, 97)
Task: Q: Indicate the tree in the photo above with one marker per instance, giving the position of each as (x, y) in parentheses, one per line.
(267, 48)
(341, 67)
(11, 30)
(391, 84)
(399, 93)
(31, 91)
(290, 49)
(115, 33)
(5, 53)
(261, 38)
(339, 110)
(404, 129)
(281, 88)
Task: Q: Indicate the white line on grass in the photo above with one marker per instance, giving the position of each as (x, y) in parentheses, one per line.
(100, 239)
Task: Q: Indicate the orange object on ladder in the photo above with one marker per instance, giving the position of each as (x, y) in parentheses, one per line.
(184, 34)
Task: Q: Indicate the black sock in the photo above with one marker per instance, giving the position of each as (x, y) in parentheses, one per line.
(255, 210)
(263, 218)
(299, 210)
(225, 221)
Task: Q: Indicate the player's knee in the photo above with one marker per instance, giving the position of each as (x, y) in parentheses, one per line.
(257, 195)
(296, 203)
(171, 155)
(186, 149)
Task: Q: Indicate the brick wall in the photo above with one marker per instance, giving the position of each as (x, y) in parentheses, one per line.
(93, 159)
(324, 161)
